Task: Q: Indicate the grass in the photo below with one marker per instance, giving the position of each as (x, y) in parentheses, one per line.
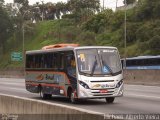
(57, 31)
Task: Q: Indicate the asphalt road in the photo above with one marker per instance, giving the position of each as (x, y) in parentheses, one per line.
(137, 99)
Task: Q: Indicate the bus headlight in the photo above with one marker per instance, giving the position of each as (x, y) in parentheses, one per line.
(84, 85)
(119, 83)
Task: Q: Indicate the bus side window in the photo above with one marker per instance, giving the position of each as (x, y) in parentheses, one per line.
(28, 61)
(55, 61)
(61, 61)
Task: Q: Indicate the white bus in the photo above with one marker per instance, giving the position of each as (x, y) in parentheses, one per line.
(88, 72)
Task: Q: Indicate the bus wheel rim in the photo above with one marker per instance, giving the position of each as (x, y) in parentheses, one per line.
(72, 97)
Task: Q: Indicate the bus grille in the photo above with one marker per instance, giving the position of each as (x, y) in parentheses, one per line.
(97, 92)
(102, 94)
(103, 81)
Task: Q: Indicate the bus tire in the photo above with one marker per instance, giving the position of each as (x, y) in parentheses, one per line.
(110, 99)
(72, 98)
(42, 94)
(71, 95)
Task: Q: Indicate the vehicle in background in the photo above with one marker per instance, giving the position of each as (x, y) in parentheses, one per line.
(75, 72)
(142, 62)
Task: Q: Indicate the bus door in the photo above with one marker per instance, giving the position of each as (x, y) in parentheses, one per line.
(71, 69)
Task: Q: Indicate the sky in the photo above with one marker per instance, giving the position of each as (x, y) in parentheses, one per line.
(108, 3)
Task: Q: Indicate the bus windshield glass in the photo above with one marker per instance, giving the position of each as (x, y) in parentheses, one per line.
(98, 61)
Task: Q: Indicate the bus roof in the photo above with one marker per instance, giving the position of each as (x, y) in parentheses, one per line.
(66, 49)
(59, 46)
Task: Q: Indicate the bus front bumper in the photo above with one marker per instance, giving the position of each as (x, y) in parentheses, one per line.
(100, 93)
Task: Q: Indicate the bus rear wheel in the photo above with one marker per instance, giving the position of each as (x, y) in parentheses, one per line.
(110, 99)
(43, 95)
(72, 97)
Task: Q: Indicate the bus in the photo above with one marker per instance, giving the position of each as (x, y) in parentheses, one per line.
(143, 63)
(76, 72)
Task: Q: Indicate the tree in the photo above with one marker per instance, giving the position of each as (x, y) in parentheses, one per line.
(129, 1)
(147, 9)
(99, 22)
(24, 4)
(5, 28)
(1, 2)
(153, 45)
(83, 9)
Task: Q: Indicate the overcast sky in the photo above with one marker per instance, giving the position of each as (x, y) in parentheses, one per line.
(108, 3)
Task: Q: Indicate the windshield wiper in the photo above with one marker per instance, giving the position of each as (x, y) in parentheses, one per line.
(105, 65)
(94, 66)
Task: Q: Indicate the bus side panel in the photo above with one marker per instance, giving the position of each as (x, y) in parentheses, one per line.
(50, 82)
(32, 88)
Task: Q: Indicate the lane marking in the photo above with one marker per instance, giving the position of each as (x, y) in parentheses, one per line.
(12, 83)
(156, 97)
(138, 90)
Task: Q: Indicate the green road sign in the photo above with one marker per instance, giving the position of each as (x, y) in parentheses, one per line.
(16, 56)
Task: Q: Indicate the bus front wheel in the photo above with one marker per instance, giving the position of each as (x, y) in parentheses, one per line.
(110, 99)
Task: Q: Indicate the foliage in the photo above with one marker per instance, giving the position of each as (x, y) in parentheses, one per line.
(83, 9)
(129, 1)
(99, 22)
(6, 28)
(80, 21)
(147, 9)
(87, 38)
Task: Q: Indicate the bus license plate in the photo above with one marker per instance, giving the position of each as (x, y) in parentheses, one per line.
(103, 91)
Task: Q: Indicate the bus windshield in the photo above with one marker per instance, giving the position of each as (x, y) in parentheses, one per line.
(98, 61)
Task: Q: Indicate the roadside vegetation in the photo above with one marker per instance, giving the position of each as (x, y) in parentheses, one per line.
(78, 21)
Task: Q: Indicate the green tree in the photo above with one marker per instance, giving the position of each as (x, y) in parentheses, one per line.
(154, 45)
(5, 28)
(1, 2)
(22, 2)
(25, 5)
(83, 9)
(129, 1)
(99, 22)
(147, 9)
(87, 38)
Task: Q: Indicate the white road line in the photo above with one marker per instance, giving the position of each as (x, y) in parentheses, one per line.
(155, 97)
(12, 83)
(155, 91)
(20, 89)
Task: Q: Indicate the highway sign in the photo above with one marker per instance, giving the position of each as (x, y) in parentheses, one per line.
(16, 56)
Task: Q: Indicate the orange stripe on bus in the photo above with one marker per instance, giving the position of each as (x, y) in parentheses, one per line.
(62, 73)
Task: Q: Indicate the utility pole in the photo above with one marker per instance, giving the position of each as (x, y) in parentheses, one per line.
(116, 4)
(103, 5)
(42, 9)
(125, 35)
(23, 36)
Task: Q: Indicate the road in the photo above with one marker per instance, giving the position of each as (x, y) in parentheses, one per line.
(137, 99)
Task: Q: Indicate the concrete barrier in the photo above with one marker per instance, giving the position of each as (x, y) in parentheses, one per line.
(16, 73)
(30, 109)
(143, 77)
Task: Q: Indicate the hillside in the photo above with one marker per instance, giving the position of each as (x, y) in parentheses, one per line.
(105, 28)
